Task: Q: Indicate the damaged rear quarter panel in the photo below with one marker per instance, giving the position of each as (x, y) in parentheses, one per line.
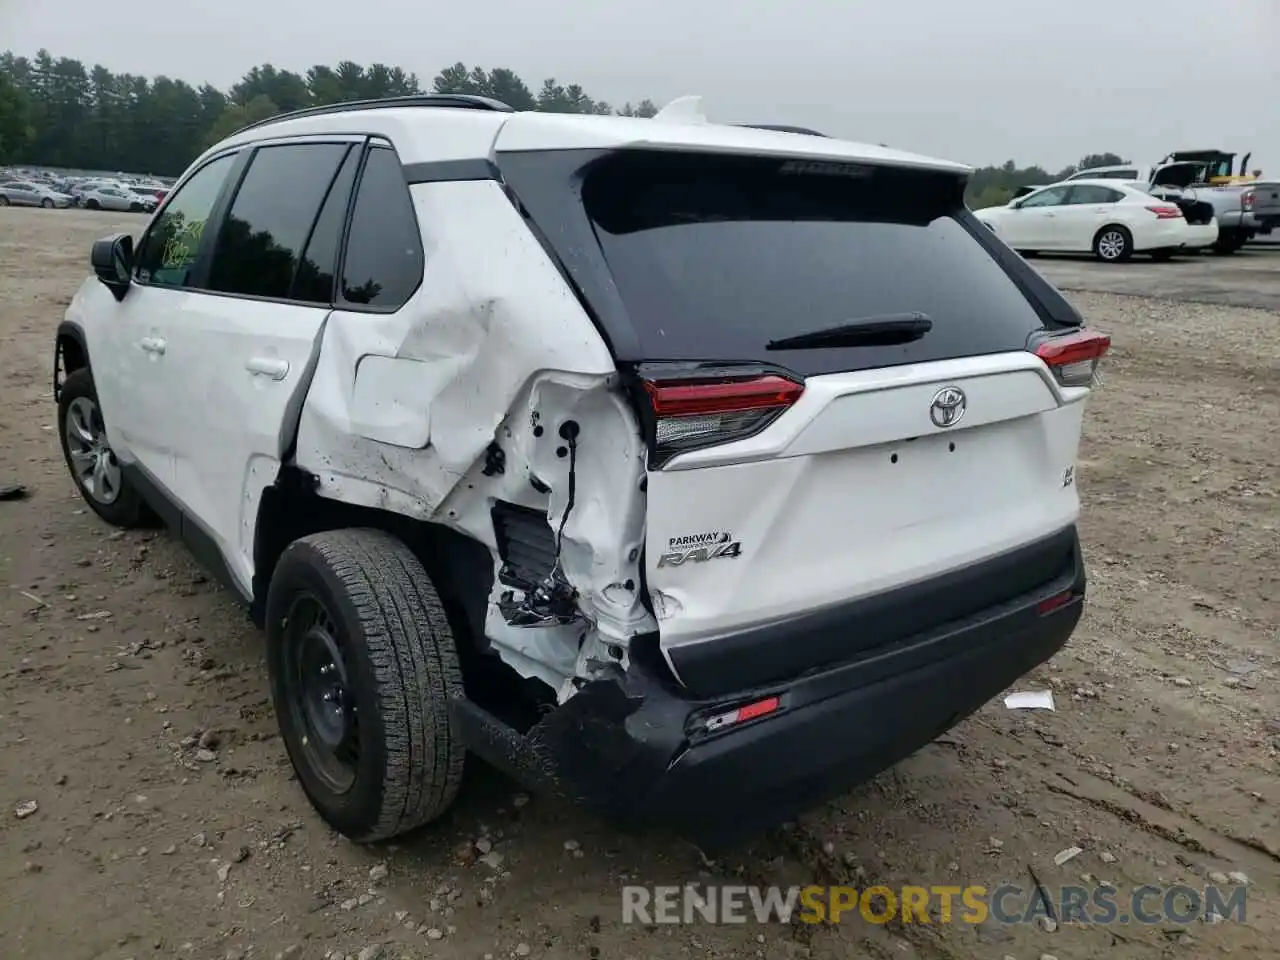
(492, 312)
(493, 346)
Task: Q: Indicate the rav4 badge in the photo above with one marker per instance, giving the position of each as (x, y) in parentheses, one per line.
(698, 547)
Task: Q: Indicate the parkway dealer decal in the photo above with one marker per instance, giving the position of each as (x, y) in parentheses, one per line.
(697, 547)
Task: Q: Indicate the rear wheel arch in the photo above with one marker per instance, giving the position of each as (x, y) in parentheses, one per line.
(461, 568)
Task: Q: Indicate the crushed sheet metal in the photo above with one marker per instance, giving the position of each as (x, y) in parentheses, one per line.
(493, 345)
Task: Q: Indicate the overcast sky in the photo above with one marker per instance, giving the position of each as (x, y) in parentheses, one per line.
(973, 80)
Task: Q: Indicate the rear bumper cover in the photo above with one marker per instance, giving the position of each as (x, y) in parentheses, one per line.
(635, 749)
(1201, 235)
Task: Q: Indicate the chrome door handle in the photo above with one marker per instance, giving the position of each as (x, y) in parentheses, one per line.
(271, 367)
(153, 345)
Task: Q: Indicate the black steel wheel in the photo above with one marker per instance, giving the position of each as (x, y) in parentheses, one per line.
(363, 668)
(318, 693)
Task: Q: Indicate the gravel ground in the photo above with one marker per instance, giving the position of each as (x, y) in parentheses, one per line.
(147, 807)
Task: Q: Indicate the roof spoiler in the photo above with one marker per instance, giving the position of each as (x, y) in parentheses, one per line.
(689, 110)
(783, 128)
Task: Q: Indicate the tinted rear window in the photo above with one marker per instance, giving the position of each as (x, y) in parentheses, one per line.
(715, 256)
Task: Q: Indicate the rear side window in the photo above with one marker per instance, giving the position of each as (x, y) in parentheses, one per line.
(260, 245)
(384, 258)
(313, 281)
(715, 256)
(1091, 193)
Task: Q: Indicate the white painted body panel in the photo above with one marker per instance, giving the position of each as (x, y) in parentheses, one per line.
(232, 374)
(128, 342)
(1202, 235)
(854, 491)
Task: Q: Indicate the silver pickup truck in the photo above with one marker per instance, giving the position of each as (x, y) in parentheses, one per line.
(1243, 205)
(1265, 206)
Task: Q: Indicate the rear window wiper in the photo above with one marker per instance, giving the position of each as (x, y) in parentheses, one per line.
(886, 330)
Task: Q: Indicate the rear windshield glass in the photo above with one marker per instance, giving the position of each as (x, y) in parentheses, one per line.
(715, 256)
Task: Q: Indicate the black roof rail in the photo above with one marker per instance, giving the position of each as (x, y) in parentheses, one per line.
(465, 101)
(782, 128)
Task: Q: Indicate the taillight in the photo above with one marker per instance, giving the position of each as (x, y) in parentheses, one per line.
(690, 414)
(1166, 213)
(1247, 199)
(1074, 357)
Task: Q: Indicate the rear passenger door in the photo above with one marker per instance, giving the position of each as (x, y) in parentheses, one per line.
(242, 361)
(1088, 208)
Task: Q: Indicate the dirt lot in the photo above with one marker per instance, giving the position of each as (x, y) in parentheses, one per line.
(1251, 278)
(1161, 760)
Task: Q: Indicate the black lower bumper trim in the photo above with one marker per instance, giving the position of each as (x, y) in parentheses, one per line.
(774, 652)
(634, 749)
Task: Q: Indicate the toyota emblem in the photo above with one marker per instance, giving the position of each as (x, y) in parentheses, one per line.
(947, 407)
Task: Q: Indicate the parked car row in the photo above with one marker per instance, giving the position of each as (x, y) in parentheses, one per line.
(43, 189)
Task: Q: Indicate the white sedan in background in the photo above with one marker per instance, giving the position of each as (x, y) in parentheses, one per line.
(115, 198)
(1108, 218)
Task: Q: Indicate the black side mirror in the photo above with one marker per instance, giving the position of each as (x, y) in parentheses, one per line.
(112, 261)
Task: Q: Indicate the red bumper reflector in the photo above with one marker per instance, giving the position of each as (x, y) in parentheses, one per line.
(1054, 603)
(751, 711)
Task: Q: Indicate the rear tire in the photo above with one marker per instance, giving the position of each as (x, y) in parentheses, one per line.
(372, 742)
(92, 205)
(4, 201)
(1113, 244)
(89, 458)
(1229, 241)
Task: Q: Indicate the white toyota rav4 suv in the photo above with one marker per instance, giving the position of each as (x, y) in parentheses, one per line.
(674, 467)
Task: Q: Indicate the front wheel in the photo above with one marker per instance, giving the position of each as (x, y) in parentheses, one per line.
(47, 203)
(4, 201)
(1113, 244)
(89, 457)
(363, 667)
